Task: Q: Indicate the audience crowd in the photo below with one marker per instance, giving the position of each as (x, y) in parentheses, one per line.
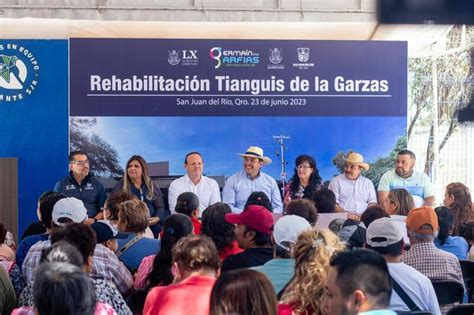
(343, 247)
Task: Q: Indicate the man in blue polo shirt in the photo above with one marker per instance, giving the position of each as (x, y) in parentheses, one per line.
(404, 176)
(239, 186)
(79, 183)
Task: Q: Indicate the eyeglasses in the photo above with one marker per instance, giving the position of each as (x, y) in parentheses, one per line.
(81, 163)
(302, 166)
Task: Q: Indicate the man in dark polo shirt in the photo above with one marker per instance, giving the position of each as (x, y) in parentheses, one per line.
(83, 185)
(253, 230)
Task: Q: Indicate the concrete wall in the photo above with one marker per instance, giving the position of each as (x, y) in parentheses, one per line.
(194, 10)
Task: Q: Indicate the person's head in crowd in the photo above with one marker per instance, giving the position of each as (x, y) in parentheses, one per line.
(216, 227)
(254, 160)
(41, 199)
(188, 204)
(175, 227)
(136, 173)
(312, 253)
(352, 233)
(107, 234)
(358, 282)
(467, 231)
(336, 225)
(372, 213)
(385, 237)
(422, 225)
(81, 236)
(399, 201)
(67, 211)
(354, 166)
(62, 251)
(195, 255)
(325, 200)
(46, 206)
(303, 208)
(259, 198)
(458, 199)
(111, 206)
(3, 233)
(252, 226)
(244, 291)
(6, 253)
(62, 288)
(285, 233)
(445, 222)
(79, 165)
(405, 163)
(306, 174)
(194, 165)
(133, 216)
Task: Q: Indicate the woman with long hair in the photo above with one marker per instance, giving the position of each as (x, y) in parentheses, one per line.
(305, 181)
(244, 291)
(305, 294)
(398, 202)
(458, 199)
(155, 270)
(136, 180)
(456, 245)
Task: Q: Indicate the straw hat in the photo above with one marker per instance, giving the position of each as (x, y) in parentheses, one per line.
(357, 159)
(258, 153)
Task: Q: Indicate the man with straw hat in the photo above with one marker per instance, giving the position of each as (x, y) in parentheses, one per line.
(239, 186)
(354, 192)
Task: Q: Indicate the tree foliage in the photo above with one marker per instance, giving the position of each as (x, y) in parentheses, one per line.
(103, 157)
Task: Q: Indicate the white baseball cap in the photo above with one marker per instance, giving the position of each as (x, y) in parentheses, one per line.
(383, 232)
(287, 229)
(70, 208)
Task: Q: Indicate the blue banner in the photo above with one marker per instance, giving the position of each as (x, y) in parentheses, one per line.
(34, 112)
(192, 77)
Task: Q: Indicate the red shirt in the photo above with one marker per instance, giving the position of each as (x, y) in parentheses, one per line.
(197, 225)
(190, 296)
(232, 249)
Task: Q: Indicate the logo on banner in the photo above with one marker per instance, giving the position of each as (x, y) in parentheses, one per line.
(303, 58)
(234, 58)
(18, 72)
(186, 57)
(276, 57)
(173, 57)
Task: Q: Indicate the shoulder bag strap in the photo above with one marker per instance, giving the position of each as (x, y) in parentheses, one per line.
(404, 296)
(127, 245)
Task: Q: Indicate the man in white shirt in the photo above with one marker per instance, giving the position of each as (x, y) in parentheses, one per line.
(354, 192)
(204, 187)
(384, 236)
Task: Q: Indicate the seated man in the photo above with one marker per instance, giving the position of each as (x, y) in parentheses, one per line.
(197, 265)
(354, 192)
(436, 264)
(105, 263)
(252, 232)
(194, 181)
(358, 283)
(239, 186)
(281, 268)
(411, 288)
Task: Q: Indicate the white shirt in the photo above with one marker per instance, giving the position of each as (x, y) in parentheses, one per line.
(207, 191)
(416, 285)
(353, 195)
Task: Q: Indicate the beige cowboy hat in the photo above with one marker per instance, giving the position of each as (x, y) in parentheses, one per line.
(357, 159)
(258, 153)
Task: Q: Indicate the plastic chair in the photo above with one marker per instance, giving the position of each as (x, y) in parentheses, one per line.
(467, 268)
(462, 309)
(448, 291)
